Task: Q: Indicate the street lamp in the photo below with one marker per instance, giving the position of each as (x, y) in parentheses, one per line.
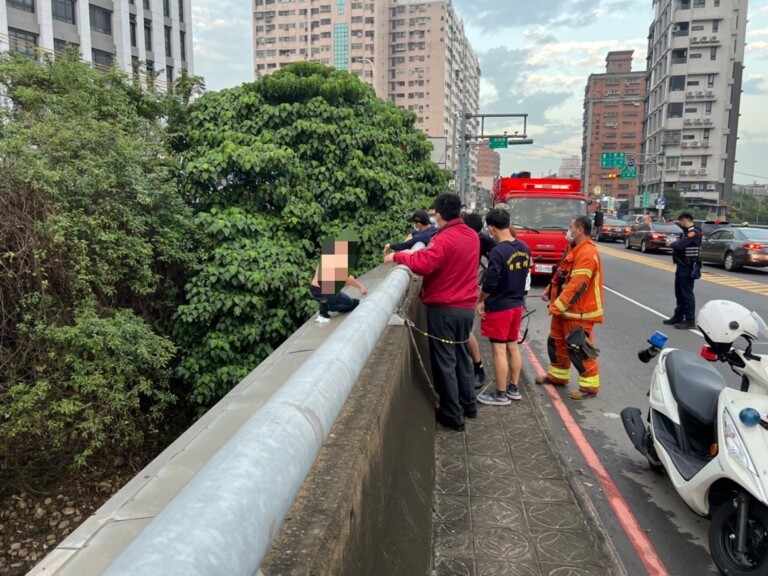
(373, 71)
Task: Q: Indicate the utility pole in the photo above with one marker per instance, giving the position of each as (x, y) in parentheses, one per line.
(503, 139)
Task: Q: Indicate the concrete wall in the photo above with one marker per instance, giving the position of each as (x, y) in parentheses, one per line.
(366, 506)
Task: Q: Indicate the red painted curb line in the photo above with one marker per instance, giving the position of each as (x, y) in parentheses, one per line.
(634, 532)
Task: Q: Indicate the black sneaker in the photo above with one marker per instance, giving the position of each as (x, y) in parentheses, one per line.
(686, 325)
(513, 393)
(672, 321)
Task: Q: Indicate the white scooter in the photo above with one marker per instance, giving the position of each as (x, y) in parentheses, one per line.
(712, 440)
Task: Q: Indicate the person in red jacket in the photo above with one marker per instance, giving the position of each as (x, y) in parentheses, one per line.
(449, 291)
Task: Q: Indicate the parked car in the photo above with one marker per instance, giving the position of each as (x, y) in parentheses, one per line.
(613, 230)
(652, 236)
(736, 247)
(709, 226)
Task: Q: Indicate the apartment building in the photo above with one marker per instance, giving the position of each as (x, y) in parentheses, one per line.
(157, 33)
(413, 52)
(694, 74)
(613, 121)
(570, 167)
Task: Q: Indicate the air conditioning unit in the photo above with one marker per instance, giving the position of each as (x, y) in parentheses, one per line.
(707, 121)
(694, 186)
(703, 172)
(675, 28)
(684, 144)
(694, 39)
(689, 94)
(710, 93)
(695, 144)
(705, 143)
(713, 38)
(700, 93)
(683, 172)
(688, 120)
(697, 121)
(711, 187)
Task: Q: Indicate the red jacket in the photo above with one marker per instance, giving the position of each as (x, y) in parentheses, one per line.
(448, 265)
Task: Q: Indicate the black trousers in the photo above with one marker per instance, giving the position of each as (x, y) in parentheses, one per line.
(686, 301)
(451, 363)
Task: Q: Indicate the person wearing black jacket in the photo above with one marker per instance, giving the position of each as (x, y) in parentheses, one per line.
(424, 232)
(686, 256)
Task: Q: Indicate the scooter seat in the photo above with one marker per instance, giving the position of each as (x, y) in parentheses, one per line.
(695, 385)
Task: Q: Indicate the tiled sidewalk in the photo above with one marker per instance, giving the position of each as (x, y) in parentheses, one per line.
(503, 504)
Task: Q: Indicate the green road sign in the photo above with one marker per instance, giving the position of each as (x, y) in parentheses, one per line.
(497, 143)
(645, 200)
(613, 159)
(629, 172)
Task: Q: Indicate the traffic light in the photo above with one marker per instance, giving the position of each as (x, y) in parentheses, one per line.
(613, 175)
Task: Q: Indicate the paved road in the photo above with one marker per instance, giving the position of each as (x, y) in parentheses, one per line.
(639, 295)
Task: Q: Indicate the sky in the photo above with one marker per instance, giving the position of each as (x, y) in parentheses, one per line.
(535, 58)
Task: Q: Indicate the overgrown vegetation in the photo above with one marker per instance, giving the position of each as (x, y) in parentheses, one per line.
(153, 251)
(272, 168)
(95, 243)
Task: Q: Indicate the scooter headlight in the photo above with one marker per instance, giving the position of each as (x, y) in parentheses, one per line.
(734, 444)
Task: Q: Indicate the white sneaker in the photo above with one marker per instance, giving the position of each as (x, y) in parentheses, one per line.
(322, 319)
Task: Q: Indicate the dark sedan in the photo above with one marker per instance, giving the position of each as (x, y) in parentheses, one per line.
(652, 236)
(736, 247)
(613, 230)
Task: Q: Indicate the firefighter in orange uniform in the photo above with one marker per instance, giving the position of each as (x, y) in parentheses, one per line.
(575, 298)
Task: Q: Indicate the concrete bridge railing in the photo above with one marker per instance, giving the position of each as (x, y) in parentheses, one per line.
(357, 417)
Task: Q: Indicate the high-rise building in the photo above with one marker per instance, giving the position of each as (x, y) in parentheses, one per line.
(413, 52)
(570, 168)
(488, 170)
(694, 73)
(157, 33)
(613, 117)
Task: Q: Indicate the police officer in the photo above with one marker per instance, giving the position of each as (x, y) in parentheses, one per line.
(686, 256)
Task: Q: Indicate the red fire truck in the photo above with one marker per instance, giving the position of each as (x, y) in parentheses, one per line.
(541, 210)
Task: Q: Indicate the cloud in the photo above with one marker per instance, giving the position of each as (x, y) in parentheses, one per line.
(222, 36)
(755, 85)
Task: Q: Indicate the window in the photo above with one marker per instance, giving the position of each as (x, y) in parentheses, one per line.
(101, 58)
(64, 11)
(706, 133)
(717, 3)
(132, 26)
(148, 35)
(182, 45)
(167, 8)
(715, 25)
(22, 42)
(181, 10)
(710, 80)
(168, 47)
(101, 20)
(146, 4)
(713, 53)
(699, 3)
(169, 75)
(708, 108)
(675, 110)
(703, 161)
(676, 83)
(61, 46)
(25, 5)
(672, 162)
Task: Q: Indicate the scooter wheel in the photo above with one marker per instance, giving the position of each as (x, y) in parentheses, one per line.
(723, 540)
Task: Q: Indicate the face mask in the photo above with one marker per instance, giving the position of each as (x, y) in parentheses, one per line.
(569, 236)
(433, 220)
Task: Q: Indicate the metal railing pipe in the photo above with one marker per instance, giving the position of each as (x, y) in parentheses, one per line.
(224, 519)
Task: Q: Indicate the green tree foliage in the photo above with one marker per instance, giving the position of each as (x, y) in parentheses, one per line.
(94, 240)
(675, 203)
(272, 168)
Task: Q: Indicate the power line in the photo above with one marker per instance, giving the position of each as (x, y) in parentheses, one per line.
(751, 175)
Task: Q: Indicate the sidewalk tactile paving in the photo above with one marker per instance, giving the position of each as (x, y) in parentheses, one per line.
(503, 504)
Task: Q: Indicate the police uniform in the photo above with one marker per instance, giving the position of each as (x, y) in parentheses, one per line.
(686, 255)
